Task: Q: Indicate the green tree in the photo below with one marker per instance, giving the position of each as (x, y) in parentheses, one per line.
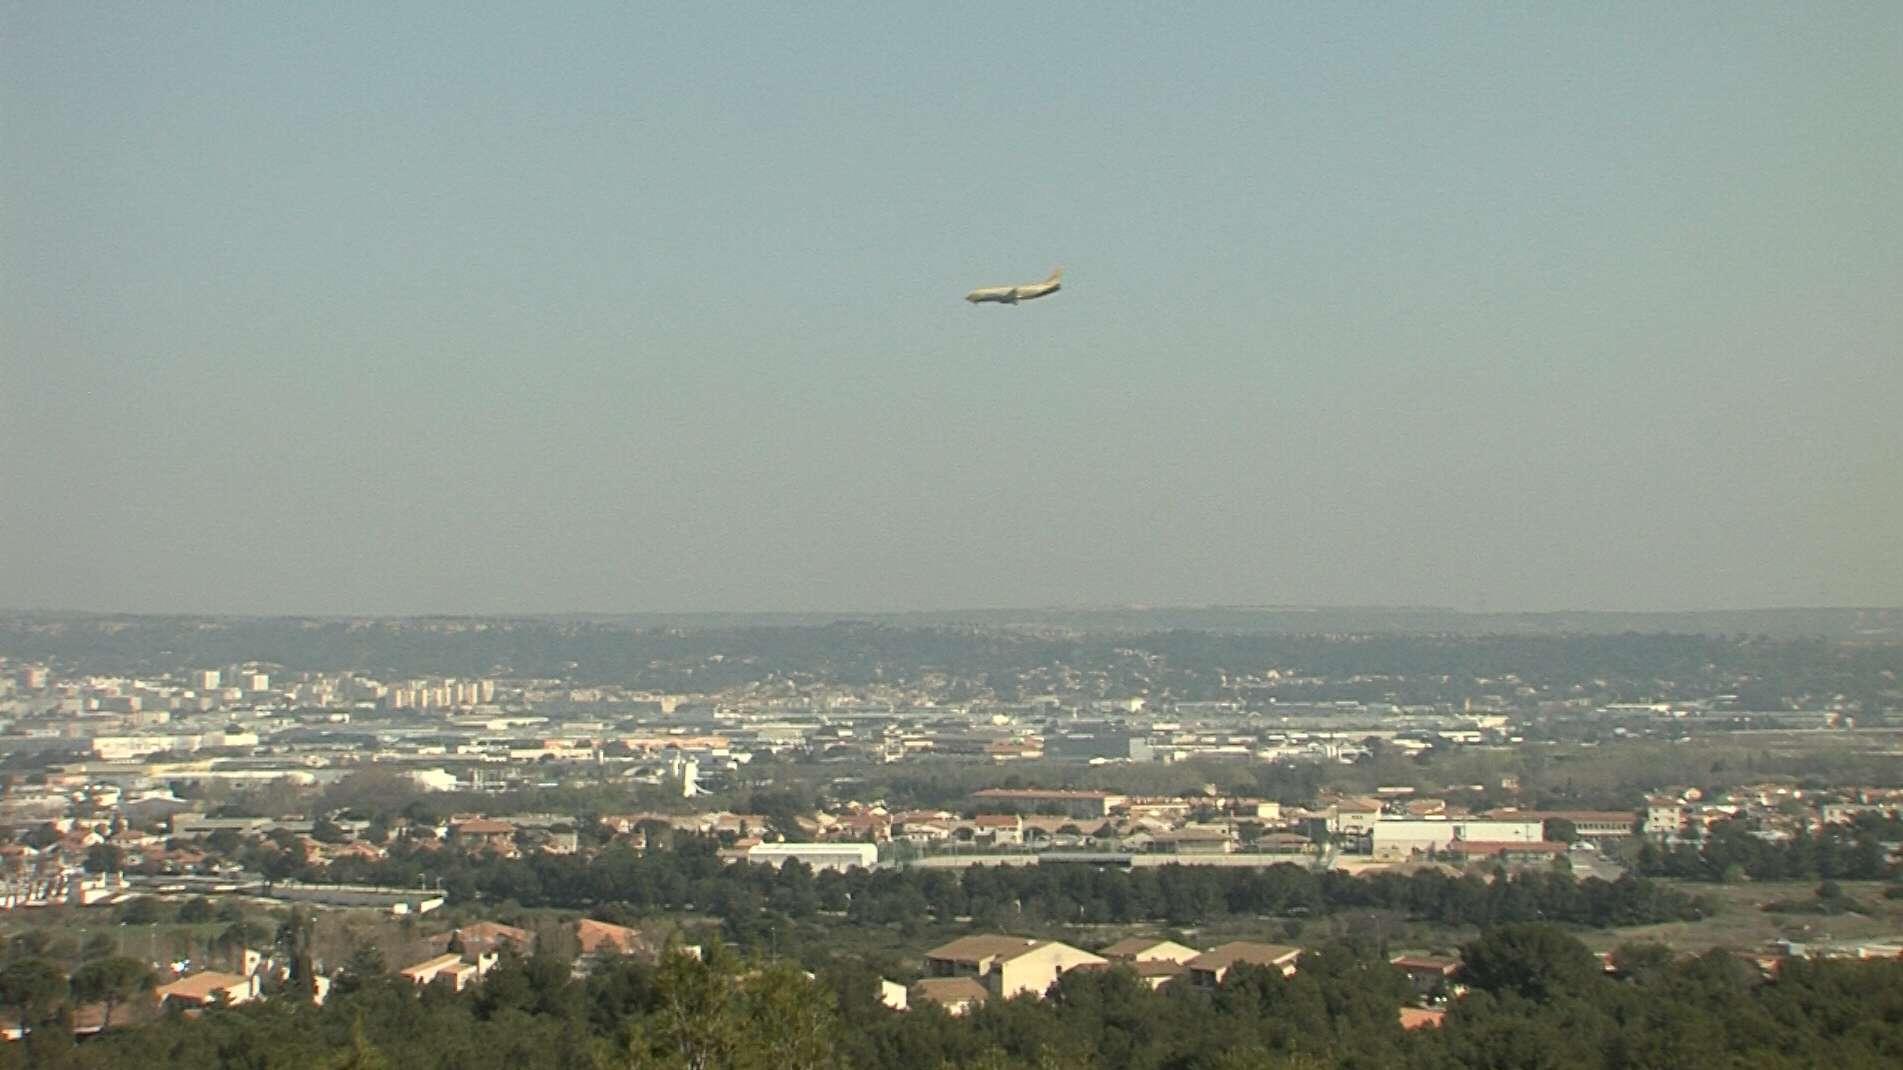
(1536, 960)
(361, 1055)
(364, 966)
(31, 987)
(31, 944)
(104, 858)
(112, 982)
(790, 1021)
(196, 911)
(696, 1023)
(145, 910)
(99, 946)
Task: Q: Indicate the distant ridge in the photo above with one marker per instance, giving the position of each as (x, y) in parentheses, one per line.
(1874, 623)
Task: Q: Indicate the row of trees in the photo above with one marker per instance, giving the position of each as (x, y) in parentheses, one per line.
(691, 876)
(33, 989)
(1539, 1000)
(1731, 851)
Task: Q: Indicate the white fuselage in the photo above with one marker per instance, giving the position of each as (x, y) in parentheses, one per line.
(1011, 295)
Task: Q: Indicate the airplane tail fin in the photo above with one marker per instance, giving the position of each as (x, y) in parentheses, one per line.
(1056, 274)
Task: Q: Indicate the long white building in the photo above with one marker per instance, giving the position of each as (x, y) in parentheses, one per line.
(1402, 837)
(818, 856)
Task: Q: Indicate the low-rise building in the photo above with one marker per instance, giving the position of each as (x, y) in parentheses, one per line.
(1664, 816)
(450, 969)
(601, 938)
(1587, 824)
(1081, 804)
(817, 856)
(482, 834)
(1155, 962)
(1001, 830)
(958, 995)
(488, 937)
(1431, 975)
(209, 988)
(1208, 969)
(1008, 965)
(1470, 850)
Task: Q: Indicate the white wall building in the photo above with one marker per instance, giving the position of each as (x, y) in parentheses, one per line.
(1401, 837)
(835, 856)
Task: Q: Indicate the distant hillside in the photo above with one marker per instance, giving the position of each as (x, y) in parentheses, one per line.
(1876, 623)
(1882, 623)
(1771, 659)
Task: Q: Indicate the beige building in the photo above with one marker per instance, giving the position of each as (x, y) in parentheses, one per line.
(1000, 829)
(958, 995)
(1354, 816)
(1664, 816)
(1155, 962)
(1008, 965)
(1148, 949)
(209, 988)
(1208, 969)
(449, 968)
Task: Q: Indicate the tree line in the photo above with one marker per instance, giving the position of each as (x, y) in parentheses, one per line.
(1731, 851)
(1539, 999)
(691, 876)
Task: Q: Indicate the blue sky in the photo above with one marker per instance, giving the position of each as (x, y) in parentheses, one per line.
(473, 308)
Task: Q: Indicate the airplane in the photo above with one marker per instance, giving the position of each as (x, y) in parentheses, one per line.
(1011, 295)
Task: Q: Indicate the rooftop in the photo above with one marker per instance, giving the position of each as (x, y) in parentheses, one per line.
(951, 990)
(1247, 953)
(979, 948)
(200, 987)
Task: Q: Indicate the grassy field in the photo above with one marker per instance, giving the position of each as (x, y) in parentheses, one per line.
(1742, 922)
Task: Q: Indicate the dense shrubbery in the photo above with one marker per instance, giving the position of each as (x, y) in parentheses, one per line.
(1539, 1000)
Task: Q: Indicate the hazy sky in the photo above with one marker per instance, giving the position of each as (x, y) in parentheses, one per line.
(448, 308)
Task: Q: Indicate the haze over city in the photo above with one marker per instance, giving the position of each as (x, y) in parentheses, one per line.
(425, 308)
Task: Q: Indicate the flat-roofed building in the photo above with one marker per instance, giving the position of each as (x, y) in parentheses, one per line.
(1588, 824)
(1471, 850)
(839, 857)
